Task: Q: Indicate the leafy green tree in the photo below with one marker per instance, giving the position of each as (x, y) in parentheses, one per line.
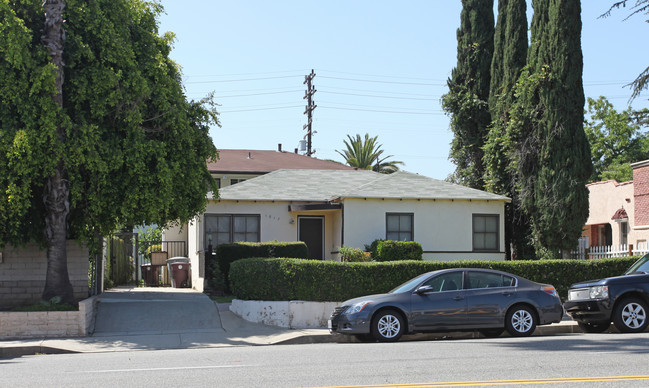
(616, 140)
(98, 135)
(552, 158)
(366, 154)
(509, 57)
(467, 99)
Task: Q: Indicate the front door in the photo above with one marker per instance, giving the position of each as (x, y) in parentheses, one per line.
(311, 231)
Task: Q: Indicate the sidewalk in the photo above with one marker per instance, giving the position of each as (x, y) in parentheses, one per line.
(224, 330)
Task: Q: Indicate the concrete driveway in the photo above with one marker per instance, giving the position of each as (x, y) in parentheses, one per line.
(130, 311)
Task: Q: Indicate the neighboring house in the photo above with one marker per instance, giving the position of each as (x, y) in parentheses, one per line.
(331, 208)
(235, 166)
(619, 212)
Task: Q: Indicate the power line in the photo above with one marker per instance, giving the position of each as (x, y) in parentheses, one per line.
(241, 80)
(383, 111)
(382, 82)
(374, 96)
(257, 109)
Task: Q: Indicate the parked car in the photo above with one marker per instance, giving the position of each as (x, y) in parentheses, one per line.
(451, 300)
(621, 299)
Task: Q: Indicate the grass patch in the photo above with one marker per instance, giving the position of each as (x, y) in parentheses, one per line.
(222, 299)
(52, 305)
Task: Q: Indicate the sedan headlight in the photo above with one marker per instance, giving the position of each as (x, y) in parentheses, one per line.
(599, 292)
(357, 307)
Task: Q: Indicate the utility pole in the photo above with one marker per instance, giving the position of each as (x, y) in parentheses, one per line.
(310, 91)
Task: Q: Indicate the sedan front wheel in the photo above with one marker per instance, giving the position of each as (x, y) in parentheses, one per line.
(387, 326)
(520, 321)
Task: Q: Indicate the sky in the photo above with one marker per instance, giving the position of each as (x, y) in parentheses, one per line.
(380, 68)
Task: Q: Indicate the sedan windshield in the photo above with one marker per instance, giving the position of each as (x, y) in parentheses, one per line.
(410, 284)
(641, 266)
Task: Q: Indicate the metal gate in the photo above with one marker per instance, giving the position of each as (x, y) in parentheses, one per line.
(126, 254)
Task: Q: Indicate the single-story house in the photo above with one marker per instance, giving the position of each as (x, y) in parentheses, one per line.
(331, 208)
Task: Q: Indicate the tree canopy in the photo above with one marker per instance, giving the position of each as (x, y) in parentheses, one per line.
(467, 99)
(132, 146)
(551, 163)
(616, 140)
(367, 154)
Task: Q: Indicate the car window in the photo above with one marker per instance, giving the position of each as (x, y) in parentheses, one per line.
(509, 281)
(450, 281)
(641, 265)
(484, 280)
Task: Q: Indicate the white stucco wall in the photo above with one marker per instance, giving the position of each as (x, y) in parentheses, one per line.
(604, 199)
(442, 227)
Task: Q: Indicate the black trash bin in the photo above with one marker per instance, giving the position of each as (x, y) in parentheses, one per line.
(150, 274)
(179, 270)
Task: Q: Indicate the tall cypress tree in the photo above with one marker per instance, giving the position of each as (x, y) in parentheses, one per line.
(509, 58)
(552, 157)
(467, 99)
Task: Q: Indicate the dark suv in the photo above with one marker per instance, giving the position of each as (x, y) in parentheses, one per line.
(622, 299)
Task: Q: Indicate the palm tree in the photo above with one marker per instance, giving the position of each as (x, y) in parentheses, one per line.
(366, 154)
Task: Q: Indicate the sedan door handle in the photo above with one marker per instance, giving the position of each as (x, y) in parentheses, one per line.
(458, 298)
(506, 293)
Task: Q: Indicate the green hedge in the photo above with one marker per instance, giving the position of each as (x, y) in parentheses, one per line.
(226, 254)
(389, 250)
(294, 279)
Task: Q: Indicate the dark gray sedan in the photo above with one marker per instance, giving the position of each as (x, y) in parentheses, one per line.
(451, 300)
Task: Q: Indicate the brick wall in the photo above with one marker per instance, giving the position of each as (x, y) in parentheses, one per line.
(641, 195)
(22, 274)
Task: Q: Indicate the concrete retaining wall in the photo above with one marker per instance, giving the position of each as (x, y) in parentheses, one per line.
(49, 324)
(295, 314)
(22, 274)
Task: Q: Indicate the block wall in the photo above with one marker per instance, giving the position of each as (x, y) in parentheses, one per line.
(22, 273)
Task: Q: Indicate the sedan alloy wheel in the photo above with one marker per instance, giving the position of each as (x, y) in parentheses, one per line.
(520, 321)
(387, 326)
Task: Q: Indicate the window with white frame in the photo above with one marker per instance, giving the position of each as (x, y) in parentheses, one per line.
(486, 232)
(399, 226)
(227, 228)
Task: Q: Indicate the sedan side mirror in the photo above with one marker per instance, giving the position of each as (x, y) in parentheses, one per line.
(424, 290)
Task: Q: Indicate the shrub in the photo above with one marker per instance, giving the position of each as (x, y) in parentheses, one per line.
(292, 279)
(349, 254)
(228, 253)
(389, 250)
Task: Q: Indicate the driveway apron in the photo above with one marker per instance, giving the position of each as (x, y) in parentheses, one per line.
(155, 311)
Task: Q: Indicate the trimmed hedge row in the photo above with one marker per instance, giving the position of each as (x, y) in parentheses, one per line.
(295, 279)
(226, 254)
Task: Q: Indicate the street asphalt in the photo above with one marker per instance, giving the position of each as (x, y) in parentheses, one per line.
(131, 319)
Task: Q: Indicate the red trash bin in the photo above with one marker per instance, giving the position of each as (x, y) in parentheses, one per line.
(180, 274)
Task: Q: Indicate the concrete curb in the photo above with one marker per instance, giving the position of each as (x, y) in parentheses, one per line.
(237, 336)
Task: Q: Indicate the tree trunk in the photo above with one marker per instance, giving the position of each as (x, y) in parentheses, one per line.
(57, 193)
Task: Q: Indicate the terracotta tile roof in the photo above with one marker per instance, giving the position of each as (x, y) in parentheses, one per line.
(620, 214)
(262, 161)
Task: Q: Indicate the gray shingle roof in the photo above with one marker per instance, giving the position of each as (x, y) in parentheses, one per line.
(327, 185)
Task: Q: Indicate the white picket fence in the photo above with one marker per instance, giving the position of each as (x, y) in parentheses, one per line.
(608, 251)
